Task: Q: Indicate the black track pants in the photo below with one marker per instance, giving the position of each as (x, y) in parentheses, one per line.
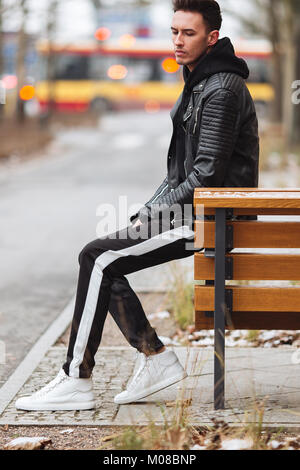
(102, 287)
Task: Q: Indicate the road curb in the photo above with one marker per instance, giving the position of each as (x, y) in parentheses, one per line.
(25, 369)
(18, 378)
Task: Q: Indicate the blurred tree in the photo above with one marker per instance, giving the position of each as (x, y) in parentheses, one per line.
(6, 8)
(20, 60)
(1, 40)
(292, 45)
(1, 52)
(265, 24)
(296, 119)
(279, 22)
(51, 30)
(274, 12)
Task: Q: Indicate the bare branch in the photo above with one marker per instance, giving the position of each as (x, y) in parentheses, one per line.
(9, 8)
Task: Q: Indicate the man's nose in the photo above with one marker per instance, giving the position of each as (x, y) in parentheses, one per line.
(178, 40)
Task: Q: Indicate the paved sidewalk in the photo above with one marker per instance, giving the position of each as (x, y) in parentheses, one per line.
(251, 373)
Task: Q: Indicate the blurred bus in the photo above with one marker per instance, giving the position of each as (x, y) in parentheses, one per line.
(127, 74)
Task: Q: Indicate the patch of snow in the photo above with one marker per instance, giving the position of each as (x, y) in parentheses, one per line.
(168, 341)
(66, 431)
(242, 342)
(267, 335)
(275, 444)
(160, 315)
(236, 334)
(205, 342)
(236, 444)
(197, 447)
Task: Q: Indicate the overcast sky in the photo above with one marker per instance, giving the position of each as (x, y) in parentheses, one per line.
(76, 18)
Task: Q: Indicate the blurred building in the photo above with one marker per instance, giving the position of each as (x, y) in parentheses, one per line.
(10, 40)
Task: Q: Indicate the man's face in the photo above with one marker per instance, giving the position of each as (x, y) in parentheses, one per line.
(190, 37)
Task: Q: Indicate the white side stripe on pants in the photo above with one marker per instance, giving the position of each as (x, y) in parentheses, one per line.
(101, 263)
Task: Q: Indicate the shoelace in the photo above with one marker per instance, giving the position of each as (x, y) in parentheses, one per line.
(50, 386)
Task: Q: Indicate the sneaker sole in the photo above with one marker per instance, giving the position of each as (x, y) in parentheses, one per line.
(57, 407)
(154, 389)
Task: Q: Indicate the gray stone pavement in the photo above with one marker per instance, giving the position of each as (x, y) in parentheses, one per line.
(252, 375)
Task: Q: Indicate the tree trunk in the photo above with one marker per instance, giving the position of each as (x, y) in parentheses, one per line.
(1, 57)
(1, 42)
(277, 79)
(277, 60)
(51, 81)
(295, 131)
(289, 67)
(20, 66)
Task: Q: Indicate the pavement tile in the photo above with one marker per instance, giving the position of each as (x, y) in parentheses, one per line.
(252, 374)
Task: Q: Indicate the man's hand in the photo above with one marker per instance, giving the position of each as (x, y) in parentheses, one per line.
(138, 222)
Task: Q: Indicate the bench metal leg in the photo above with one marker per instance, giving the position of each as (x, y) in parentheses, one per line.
(219, 314)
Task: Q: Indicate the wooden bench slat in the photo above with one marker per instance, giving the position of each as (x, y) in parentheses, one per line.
(258, 190)
(252, 234)
(252, 321)
(252, 298)
(253, 211)
(248, 199)
(252, 266)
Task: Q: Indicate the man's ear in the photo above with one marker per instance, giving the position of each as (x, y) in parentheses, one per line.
(213, 37)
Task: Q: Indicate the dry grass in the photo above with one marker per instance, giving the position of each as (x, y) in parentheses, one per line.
(180, 296)
(178, 434)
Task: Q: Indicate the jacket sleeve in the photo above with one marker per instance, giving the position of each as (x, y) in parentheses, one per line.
(218, 133)
(161, 190)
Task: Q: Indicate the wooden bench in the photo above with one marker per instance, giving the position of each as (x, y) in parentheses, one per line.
(220, 306)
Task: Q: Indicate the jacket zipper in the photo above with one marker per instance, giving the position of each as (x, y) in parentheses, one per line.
(159, 194)
(196, 121)
(187, 117)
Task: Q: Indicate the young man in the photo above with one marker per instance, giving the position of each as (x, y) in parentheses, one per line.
(214, 144)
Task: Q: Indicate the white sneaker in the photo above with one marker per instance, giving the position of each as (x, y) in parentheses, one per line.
(139, 355)
(62, 393)
(154, 373)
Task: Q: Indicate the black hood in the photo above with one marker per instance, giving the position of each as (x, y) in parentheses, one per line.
(221, 58)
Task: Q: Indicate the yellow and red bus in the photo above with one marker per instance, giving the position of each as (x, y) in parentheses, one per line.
(128, 74)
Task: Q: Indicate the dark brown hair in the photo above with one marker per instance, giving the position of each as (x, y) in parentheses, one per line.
(209, 9)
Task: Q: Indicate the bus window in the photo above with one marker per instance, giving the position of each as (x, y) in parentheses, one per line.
(71, 67)
(139, 70)
(98, 67)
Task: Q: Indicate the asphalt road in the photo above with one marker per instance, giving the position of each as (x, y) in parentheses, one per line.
(48, 212)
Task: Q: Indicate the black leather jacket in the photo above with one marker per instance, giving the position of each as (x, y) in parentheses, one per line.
(220, 141)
